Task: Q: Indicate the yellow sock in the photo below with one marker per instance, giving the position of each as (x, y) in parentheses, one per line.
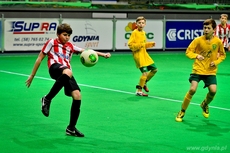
(186, 101)
(142, 80)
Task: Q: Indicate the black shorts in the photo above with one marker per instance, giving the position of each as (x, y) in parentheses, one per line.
(207, 79)
(55, 72)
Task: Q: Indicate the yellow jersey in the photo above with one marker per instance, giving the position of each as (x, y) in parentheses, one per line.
(137, 43)
(212, 51)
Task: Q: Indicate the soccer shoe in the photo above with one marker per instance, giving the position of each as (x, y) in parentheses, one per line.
(45, 106)
(205, 109)
(74, 132)
(146, 88)
(141, 94)
(179, 116)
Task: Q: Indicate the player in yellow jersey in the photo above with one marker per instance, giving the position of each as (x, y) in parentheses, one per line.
(204, 51)
(138, 44)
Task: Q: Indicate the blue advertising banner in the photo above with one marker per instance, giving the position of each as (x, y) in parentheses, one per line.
(1, 35)
(179, 34)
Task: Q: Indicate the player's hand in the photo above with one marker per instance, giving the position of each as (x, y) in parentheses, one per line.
(153, 44)
(29, 80)
(149, 44)
(107, 55)
(218, 55)
(200, 57)
(212, 64)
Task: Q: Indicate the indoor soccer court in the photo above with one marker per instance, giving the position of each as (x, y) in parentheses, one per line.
(113, 118)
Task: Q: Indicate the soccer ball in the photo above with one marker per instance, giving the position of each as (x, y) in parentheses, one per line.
(89, 57)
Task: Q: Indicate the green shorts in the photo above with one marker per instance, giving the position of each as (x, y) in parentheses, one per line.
(207, 79)
(148, 68)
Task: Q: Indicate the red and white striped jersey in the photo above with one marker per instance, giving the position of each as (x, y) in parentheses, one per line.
(59, 53)
(223, 34)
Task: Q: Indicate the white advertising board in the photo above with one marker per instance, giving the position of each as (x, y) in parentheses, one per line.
(28, 34)
(153, 29)
(91, 33)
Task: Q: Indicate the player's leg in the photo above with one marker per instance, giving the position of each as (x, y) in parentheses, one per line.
(142, 81)
(62, 75)
(194, 80)
(151, 74)
(152, 71)
(210, 82)
(72, 89)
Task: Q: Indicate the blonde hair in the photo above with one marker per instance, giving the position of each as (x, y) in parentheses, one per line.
(224, 15)
(140, 18)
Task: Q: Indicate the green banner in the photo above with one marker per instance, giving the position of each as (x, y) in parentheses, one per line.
(88, 5)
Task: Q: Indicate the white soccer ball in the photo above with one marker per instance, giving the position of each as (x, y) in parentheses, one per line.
(89, 57)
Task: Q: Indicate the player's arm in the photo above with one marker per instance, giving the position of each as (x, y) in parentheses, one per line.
(133, 45)
(190, 51)
(105, 55)
(150, 44)
(35, 68)
(221, 55)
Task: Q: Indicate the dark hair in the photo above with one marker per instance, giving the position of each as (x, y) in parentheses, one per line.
(210, 21)
(64, 28)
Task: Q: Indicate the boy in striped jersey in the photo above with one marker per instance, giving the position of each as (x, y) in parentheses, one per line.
(223, 31)
(59, 52)
(204, 51)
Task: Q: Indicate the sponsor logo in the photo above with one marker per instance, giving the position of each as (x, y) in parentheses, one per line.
(132, 26)
(22, 27)
(183, 34)
(171, 34)
(91, 38)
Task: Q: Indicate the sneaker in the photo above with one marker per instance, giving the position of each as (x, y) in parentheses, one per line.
(146, 88)
(45, 106)
(204, 107)
(141, 94)
(179, 116)
(74, 132)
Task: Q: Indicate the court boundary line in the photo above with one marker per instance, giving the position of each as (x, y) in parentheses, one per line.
(114, 90)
